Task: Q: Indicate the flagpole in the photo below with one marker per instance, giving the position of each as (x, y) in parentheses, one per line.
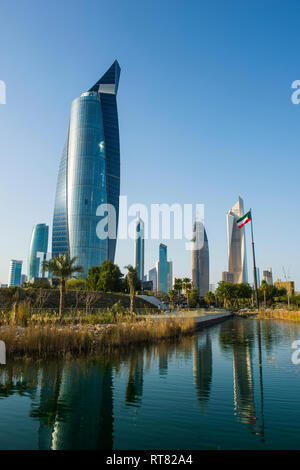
(254, 265)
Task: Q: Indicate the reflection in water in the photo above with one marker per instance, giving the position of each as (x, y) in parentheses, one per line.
(134, 390)
(71, 401)
(75, 406)
(202, 366)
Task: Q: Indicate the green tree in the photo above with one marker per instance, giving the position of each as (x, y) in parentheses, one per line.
(263, 288)
(178, 285)
(132, 279)
(63, 268)
(225, 291)
(210, 298)
(172, 297)
(186, 287)
(76, 284)
(193, 296)
(106, 277)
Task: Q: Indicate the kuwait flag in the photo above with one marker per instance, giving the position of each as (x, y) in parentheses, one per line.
(244, 220)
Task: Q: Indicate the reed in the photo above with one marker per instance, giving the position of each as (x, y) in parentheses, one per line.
(287, 315)
(58, 340)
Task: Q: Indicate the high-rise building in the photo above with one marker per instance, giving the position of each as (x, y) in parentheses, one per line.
(89, 175)
(139, 248)
(268, 276)
(170, 276)
(152, 275)
(24, 278)
(38, 243)
(200, 259)
(15, 272)
(237, 259)
(163, 268)
(227, 277)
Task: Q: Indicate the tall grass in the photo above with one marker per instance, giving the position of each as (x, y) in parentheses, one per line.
(287, 315)
(48, 340)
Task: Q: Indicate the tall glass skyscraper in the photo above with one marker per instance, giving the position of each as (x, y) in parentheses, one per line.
(163, 269)
(89, 174)
(15, 272)
(200, 259)
(38, 243)
(139, 248)
(236, 237)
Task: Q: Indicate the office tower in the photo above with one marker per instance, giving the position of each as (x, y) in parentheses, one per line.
(170, 276)
(163, 268)
(89, 175)
(268, 276)
(15, 272)
(139, 248)
(24, 278)
(237, 261)
(38, 243)
(227, 277)
(152, 275)
(200, 259)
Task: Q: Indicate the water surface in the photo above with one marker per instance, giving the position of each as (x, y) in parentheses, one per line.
(206, 392)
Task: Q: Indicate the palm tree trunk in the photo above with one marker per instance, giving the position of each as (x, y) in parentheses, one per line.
(265, 299)
(62, 289)
(132, 301)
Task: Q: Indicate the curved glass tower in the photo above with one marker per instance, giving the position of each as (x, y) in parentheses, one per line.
(89, 174)
(200, 259)
(38, 243)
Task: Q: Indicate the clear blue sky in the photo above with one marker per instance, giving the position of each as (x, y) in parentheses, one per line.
(204, 107)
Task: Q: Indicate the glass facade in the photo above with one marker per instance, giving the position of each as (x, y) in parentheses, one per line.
(38, 243)
(163, 269)
(139, 249)
(89, 174)
(15, 273)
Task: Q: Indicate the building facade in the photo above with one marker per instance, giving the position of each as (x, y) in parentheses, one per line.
(227, 277)
(237, 259)
(288, 285)
(89, 175)
(152, 275)
(170, 276)
(163, 269)
(15, 272)
(139, 248)
(200, 259)
(268, 276)
(38, 243)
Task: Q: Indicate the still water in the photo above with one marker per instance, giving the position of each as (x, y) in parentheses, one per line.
(206, 392)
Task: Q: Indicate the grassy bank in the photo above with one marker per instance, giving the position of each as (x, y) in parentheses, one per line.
(58, 340)
(287, 315)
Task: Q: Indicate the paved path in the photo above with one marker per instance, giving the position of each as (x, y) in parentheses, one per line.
(212, 319)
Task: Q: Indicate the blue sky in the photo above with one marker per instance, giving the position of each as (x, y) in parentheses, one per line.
(204, 106)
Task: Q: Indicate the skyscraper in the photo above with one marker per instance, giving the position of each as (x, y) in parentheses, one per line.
(152, 275)
(268, 276)
(15, 272)
(237, 260)
(200, 259)
(139, 248)
(163, 268)
(38, 243)
(89, 175)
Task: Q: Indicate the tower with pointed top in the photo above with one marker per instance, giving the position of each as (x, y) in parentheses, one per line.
(89, 175)
(200, 259)
(237, 260)
(139, 248)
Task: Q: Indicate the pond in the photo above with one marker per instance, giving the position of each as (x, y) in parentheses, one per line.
(232, 386)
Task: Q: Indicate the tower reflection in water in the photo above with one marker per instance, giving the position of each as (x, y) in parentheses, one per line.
(202, 368)
(75, 408)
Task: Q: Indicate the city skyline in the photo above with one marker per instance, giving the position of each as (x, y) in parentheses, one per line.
(249, 127)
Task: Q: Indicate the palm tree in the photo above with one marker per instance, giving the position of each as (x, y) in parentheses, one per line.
(63, 267)
(178, 285)
(186, 287)
(131, 280)
(210, 298)
(172, 296)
